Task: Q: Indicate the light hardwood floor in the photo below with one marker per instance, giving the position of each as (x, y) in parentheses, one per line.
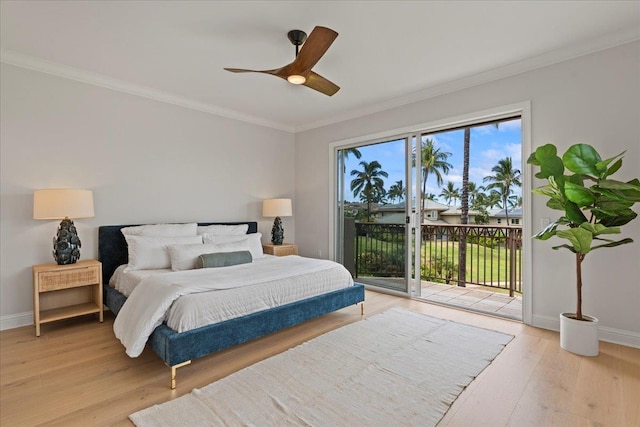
(76, 373)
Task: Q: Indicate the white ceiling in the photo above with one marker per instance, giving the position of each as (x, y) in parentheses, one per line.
(388, 52)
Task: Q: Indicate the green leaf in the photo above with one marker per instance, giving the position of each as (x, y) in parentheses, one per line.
(603, 165)
(578, 194)
(605, 203)
(547, 150)
(603, 213)
(610, 195)
(630, 195)
(532, 159)
(615, 167)
(552, 166)
(574, 213)
(619, 220)
(548, 232)
(564, 246)
(582, 159)
(597, 229)
(613, 244)
(612, 184)
(547, 190)
(548, 160)
(579, 238)
(558, 182)
(575, 179)
(555, 204)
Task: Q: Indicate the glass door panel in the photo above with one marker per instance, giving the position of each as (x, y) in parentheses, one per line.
(372, 213)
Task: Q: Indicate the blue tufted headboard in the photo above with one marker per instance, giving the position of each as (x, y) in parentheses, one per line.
(112, 247)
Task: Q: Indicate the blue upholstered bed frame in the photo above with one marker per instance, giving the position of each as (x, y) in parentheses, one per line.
(178, 349)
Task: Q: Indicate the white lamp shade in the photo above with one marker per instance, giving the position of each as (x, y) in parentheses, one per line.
(59, 203)
(276, 207)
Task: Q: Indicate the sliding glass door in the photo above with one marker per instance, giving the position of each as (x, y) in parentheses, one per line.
(373, 201)
(436, 214)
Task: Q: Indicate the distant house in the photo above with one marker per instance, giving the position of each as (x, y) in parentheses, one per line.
(352, 208)
(454, 213)
(499, 217)
(435, 213)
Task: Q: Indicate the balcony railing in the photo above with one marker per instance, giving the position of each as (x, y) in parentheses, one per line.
(493, 253)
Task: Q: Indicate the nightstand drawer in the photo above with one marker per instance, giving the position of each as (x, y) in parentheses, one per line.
(54, 280)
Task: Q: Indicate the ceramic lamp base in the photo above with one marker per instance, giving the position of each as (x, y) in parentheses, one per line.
(66, 244)
(277, 232)
(579, 336)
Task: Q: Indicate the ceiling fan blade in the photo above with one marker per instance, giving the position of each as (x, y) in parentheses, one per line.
(312, 50)
(242, 70)
(317, 82)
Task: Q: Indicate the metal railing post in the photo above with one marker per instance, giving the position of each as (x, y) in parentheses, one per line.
(512, 261)
(357, 251)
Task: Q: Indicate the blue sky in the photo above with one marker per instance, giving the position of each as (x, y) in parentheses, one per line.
(488, 145)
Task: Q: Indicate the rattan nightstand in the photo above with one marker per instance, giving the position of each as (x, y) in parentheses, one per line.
(280, 250)
(64, 291)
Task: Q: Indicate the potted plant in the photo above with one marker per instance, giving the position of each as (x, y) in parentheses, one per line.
(594, 207)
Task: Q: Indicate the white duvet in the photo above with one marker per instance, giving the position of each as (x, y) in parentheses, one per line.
(194, 298)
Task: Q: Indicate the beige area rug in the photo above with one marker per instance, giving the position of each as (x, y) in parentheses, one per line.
(395, 368)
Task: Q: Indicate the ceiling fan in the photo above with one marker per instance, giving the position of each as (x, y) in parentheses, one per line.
(299, 71)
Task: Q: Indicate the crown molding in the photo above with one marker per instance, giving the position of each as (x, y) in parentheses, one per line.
(84, 76)
(619, 38)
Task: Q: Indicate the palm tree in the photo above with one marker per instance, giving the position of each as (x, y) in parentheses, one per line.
(450, 193)
(396, 191)
(494, 199)
(464, 207)
(515, 201)
(433, 161)
(368, 182)
(464, 211)
(475, 191)
(353, 151)
(505, 177)
(480, 201)
(375, 194)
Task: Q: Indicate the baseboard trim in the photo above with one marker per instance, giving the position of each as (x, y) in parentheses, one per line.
(18, 320)
(612, 335)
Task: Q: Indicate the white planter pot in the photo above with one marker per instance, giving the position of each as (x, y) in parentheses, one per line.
(579, 336)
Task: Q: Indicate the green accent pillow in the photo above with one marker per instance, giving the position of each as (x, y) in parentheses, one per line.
(223, 259)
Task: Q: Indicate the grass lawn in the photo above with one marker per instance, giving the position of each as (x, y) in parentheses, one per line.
(484, 265)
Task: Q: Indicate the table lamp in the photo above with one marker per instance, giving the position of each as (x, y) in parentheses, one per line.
(277, 208)
(57, 203)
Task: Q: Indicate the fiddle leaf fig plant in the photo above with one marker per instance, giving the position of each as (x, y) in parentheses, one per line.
(593, 205)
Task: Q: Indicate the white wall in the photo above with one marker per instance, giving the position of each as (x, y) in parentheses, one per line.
(593, 99)
(145, 161)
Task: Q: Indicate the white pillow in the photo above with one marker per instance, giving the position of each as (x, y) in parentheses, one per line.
(241, 245)
(147, 252)
(224, 230)
(162, 230)
(184, 257)
(254, 239)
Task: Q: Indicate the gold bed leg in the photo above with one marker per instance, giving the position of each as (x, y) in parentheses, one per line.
(361, 309)
(173, 372)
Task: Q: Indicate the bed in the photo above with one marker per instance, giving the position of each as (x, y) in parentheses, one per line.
(177, 349)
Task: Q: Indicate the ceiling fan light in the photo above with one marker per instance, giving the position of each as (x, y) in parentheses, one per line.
(296, 79)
